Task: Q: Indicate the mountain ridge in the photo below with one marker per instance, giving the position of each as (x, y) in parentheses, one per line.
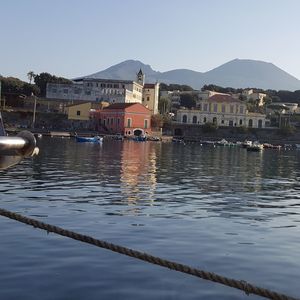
(237, 73)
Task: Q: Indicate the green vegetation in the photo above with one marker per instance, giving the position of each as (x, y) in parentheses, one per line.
(272, 95)
(14, 88)
(164, 105)
(42, 79)
(188, 100)
(175, 87)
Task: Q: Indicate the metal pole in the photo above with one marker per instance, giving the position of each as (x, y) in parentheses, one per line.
(34, 110)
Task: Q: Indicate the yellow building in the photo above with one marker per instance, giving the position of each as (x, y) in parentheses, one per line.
(222, 110)
(81, 111)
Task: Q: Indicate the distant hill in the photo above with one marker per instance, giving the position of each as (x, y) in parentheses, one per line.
(238, 73)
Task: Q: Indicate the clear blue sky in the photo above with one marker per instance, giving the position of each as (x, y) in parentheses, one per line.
(71, 38)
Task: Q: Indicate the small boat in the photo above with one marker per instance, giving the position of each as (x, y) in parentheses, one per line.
(223, 142)
(95, 139)
(246, 144)
(118, 137)
(140, 138)
(270, 146)
(256, 146)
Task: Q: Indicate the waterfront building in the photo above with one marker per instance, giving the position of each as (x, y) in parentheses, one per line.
(150, 96)
(107, 90)
(81, 111)
(128, 119)
(222, 110)
(97, 90)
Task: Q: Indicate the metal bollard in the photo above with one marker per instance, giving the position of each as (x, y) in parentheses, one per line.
(24, 144)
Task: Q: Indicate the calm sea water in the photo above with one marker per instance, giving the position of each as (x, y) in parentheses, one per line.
(224, 210)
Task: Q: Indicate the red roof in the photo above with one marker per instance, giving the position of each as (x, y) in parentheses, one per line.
(149, 86)
(223, 98)
(119, 105)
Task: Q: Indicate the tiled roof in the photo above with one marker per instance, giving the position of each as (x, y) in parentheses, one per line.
(119, 105)
(149, 85)
(223, 98)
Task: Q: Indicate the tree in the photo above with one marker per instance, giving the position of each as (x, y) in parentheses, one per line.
(188, 100)
(30, 76)
(164, 105)
(157, 121)
(42, 79)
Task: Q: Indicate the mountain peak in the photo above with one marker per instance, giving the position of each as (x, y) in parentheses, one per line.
(237, 73)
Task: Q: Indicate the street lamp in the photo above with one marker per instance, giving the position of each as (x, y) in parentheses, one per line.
(34, 110)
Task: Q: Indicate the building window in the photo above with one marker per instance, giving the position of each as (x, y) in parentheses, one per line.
(145, 124)
(88, 93)
(184, 119)
(129, 121)
(215, 120)
(118, 121)
(205, 107)
(231, 123)
(200, 106)
(231, 109)
(260, 123)
(78, 113)
(54, 90)
(215, 107)
(107, 121)
(194, 119)
(241, 109)
(222, 122)
(223, 108)
(241, 122)
(66, 91)
(112, 121)
(250, 123)
(204, 120)
(116, 86)
(148, 98)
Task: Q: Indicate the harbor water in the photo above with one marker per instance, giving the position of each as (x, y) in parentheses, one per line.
(219, 209)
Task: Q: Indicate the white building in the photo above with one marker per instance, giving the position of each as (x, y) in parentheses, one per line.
(250, 95)
(89, 89)
(107, 90)
(222, 110)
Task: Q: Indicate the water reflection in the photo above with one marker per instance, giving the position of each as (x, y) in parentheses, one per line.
(138, 172)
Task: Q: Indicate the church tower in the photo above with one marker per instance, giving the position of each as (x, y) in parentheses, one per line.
(140, 77)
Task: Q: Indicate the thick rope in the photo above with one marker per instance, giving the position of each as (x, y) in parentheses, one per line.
(242, 285)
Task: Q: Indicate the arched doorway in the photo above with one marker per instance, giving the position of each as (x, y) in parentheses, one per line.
(260, 123)
(138, 132)
(184, 119)
(250, 123)
(194, 119)
(215, 120)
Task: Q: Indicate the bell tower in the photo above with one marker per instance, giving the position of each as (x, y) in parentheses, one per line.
(140, 77)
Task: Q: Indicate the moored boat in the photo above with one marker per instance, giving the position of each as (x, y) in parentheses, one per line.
(256, 146)
(95, 139)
